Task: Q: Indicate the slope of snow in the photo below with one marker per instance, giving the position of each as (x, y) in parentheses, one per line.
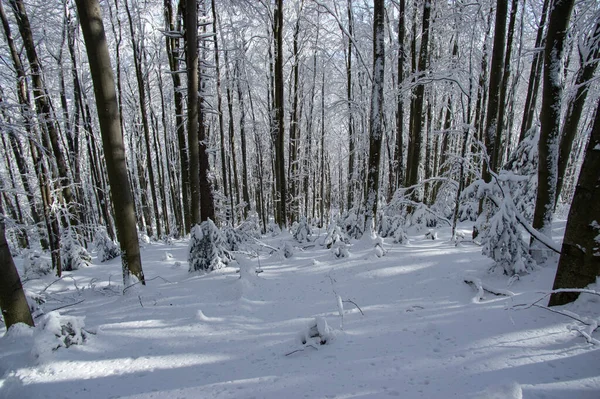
(237, 334)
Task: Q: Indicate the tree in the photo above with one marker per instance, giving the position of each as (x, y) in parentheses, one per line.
(376, 116)
(491, 125)
(417, 120)
(12, 298)
(90, 17)
(550, 120)
(278, 128)
(579, 263)
(191, 57)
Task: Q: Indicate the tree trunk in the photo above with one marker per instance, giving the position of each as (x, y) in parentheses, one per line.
(376, 115)
(42, 101)
(588, 65)
(579, 263)
(397, 174)
(112, 138)
(13, 303)
(137, 61)
(534, 75)
(279, 131)
(172, 46)
(417, 125)
(501, 136)
(550, 121)
(491, 124)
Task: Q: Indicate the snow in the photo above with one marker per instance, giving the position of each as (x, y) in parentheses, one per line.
(234, 333)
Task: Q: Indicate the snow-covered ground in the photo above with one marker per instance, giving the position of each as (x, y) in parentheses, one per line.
(424, 332)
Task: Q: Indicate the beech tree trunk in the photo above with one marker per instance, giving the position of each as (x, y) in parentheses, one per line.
(418, 122)
(588, 65)
(13, 303)
(579, 263)
(90, 17)
(376, 115)
(491, 125)
(279, 130)
(550, 121)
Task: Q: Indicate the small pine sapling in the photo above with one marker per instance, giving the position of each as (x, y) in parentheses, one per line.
(72, 254)
(301, 231)
(207, 249)
(106, 248)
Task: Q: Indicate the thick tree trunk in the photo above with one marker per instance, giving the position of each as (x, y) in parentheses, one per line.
(191, 38)
(550, 120)
(112, 138)
(397, 173)
(589, 63)
(491, 125)
(418, 122)
(502, 136)
(279, 130)
(579, 263)
(172, 46)
(376, 115)
(13, 303)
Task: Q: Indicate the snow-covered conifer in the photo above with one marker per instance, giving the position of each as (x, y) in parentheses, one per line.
(106, 248)
(72, 254)
(207, 249)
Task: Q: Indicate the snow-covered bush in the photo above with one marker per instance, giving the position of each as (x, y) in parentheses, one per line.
(520, 173)
(72, 254)
(273, 228)
(54, 331)
(335, 235)
(301, 231)
(207, 249)
(353, 223)
(34, 265)
(288, 249)
(143, 238)
(106, 248)
(317, 332)
(251, 226)
(393, 226)
(498, 230)
(233, 239)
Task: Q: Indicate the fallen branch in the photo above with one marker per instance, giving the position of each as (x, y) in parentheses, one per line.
(62, 307)
(301, 350)
(354, 303)
(481, 287)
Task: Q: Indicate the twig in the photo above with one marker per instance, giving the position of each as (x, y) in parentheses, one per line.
(65, 306)
(148, 279)
(354, 303)
(302, 350)
(48, 286)
(140, 298)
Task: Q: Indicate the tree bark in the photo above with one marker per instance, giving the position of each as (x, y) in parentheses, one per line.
(279, 130)
(376, 115)
(491, 125)
(589, 63)
(90, 17)
(579, 263)
(534, 75)
(550, 120)
(418, 123)
(12, 297)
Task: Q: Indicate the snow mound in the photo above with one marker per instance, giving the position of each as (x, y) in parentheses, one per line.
(511, 390)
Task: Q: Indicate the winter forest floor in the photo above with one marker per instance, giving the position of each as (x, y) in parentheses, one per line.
(424, 333)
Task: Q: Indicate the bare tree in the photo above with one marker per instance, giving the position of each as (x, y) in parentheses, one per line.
(90, 17)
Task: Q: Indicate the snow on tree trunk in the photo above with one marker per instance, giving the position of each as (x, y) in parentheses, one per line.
(550, 122)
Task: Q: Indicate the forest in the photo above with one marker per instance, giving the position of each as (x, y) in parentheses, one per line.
(241, 127)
